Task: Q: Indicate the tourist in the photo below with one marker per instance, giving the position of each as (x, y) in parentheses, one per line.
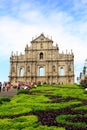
(19, 85)
(0, 86)
(4, 86)
(8, 86)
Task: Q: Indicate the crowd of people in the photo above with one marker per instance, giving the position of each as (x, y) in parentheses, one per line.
(4, 85)
(17, 85)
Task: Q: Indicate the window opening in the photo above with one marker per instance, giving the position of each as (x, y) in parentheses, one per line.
(41, 71)
(61, 71)
(21, 72)
(41, 55)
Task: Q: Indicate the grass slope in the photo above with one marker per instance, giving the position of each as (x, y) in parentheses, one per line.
(49, 107)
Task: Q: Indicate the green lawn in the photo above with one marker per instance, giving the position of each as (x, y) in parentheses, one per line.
(20, 112)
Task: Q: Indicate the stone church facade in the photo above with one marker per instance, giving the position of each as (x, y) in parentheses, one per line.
(42, 62)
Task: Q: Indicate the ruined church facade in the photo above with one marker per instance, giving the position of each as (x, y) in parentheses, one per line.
(42, 62)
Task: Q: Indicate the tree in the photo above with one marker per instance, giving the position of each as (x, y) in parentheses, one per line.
(84, 82)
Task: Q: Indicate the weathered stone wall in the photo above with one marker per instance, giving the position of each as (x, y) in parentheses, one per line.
(42, 54)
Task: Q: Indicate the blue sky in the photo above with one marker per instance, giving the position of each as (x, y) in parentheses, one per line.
(65, 21)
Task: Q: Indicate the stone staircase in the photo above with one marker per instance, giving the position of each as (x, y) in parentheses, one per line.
(10, 93)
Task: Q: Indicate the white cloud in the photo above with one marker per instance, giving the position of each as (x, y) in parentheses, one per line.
(15, 33)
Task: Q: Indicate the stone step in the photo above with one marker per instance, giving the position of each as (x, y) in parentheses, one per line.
(10, 93)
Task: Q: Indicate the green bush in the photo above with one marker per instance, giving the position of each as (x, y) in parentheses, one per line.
(22, 91)
(44, 128)
(85, 92)
(5, 99)
(64, 119)
(0, 101)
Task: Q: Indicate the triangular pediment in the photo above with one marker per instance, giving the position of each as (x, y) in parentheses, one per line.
(41, 38)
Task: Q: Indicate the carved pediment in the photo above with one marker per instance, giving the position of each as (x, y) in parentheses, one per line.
(41, 38)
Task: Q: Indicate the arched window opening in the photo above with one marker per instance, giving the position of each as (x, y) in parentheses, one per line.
(61, 71)
(41, 71)
(21, 72)
(41, 55)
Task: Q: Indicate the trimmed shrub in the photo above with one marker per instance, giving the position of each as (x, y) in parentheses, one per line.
(22, 91)
(85, 92)
(0, 101)
(5, 99)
